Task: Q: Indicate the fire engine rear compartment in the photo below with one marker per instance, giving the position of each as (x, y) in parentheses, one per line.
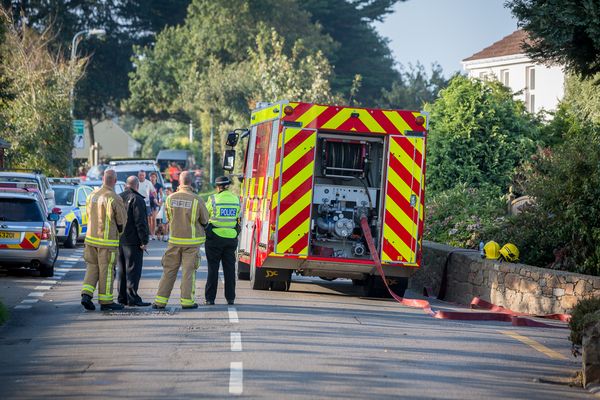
(348, 182)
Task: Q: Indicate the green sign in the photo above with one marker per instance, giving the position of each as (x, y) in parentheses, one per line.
(78, 130)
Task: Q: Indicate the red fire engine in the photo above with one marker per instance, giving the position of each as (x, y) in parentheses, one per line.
(311, 174)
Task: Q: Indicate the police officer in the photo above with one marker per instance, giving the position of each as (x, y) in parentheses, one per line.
(221, 240)
(106, 221)
(187, 215)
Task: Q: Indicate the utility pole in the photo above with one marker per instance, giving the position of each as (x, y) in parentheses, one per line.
(212, 149)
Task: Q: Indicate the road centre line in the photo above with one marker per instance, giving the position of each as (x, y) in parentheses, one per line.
(236, 378)
(42, 288)
(233, 316)
(49, 282)
(22, 307)
(536, 345)
(30, 301)
(36, 294)
(236, 341)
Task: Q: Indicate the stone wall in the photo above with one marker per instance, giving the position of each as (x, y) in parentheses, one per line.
(519, 287)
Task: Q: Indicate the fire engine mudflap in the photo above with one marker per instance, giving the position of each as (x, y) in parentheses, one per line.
(311, 174)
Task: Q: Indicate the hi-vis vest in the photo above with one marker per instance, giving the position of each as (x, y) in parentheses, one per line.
(224, 210)
(186, 213)
(106, 213)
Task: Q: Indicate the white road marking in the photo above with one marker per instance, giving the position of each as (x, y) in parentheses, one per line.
(30, 301)
(233, 316)
(236, 341)
(152, 258)
(42, 288)
(58, 276)
(236, 378)
(49, 282)
(36, 294)
(22, 307)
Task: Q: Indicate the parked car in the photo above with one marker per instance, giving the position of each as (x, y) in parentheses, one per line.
(119, 186)
(126, 168)
(27, 234)
(71, 198)
(20, 179)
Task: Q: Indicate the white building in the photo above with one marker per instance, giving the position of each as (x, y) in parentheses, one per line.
(539, 86)
(113, 140)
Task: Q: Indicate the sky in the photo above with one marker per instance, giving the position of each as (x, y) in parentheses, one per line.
(446, 31)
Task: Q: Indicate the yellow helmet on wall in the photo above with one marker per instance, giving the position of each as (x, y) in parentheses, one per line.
(491, 250)
(510, 252)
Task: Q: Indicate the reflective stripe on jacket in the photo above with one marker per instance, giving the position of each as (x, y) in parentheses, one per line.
(224, 210)
(106, 218)
(187, 214)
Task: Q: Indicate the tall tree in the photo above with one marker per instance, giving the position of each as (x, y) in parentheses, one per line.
(563, 31)
(360, 49)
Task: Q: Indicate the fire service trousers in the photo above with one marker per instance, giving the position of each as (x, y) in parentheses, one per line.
(100, 270)
(188, 258)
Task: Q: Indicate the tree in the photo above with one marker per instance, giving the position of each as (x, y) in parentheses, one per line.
(359, 50)
(6, 93)
(478, 135)
(39, 125)
(415, 88)
(583, 97)
(562, 31)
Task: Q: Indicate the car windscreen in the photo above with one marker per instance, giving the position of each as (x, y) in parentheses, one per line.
(63, 196)
(20, 210)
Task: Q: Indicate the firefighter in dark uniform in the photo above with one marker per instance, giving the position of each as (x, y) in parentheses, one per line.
(221, 240)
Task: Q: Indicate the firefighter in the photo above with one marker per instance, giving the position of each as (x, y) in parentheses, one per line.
(221, 240)
(187, 215)
(106, 220)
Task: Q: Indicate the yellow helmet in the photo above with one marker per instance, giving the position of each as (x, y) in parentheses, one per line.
(510, 252)
(491, 250)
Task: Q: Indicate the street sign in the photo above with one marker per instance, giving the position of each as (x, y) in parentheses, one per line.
(78, 131)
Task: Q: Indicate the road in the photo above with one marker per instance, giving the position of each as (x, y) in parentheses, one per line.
(320, 340)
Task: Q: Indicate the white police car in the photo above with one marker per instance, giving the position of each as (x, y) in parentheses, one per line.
(71, 197)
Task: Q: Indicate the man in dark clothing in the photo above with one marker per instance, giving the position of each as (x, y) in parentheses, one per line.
(132, 244)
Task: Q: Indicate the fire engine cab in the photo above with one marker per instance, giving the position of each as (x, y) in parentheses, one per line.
(312, 173)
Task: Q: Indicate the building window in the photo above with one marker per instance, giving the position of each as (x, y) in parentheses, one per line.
(483, 75)
(531, 78)
(504, 77)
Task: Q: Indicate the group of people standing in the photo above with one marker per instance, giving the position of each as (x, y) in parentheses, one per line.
(118, 234)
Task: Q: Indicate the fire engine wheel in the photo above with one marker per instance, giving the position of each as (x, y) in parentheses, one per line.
(243, 272)
(257, 280)
(374, 287)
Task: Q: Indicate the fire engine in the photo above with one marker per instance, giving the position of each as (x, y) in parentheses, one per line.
(314, 178)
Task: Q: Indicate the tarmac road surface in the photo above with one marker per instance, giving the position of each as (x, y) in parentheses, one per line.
(320, 340)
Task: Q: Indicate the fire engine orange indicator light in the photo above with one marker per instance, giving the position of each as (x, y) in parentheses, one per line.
(420, 120)
(288, 110)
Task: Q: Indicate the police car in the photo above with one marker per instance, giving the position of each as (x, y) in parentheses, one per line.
(70, 196)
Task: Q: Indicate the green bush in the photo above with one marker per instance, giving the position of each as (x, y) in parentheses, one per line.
(478, 135)
(585, 312)
(459, 216)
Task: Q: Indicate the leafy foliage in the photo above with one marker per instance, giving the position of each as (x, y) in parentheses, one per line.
(583, 95)
(566, 32)
(38, 115)
(415, 88)
(585, 312)
(478, 135)
(460, 215)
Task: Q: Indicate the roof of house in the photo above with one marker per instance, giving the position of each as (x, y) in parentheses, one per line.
(507, 46)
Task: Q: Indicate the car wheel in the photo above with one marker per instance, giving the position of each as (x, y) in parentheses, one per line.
(71, 241)
(257, 281)
(243, 271)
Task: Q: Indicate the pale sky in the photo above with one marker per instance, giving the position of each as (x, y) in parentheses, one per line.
(445, 31)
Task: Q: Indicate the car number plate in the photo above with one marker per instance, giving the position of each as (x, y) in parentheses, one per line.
(9, 235)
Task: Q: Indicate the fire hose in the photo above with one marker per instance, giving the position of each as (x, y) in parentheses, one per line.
(493, 312)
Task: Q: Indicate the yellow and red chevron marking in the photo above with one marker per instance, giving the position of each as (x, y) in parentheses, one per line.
(30, 242)
(360, 120)
(402, 221)
(295, 194)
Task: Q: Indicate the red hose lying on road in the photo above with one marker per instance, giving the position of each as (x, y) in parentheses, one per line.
(495, 313)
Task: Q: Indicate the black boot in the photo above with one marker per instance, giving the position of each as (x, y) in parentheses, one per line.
(190, 307)
(86, 302)
(158, 307)
(111, 307)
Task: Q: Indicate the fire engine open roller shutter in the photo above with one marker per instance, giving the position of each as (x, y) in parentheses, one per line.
(403, 200)
(295, 195)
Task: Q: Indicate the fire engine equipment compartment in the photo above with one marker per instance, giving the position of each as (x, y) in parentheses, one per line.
(348, 183)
